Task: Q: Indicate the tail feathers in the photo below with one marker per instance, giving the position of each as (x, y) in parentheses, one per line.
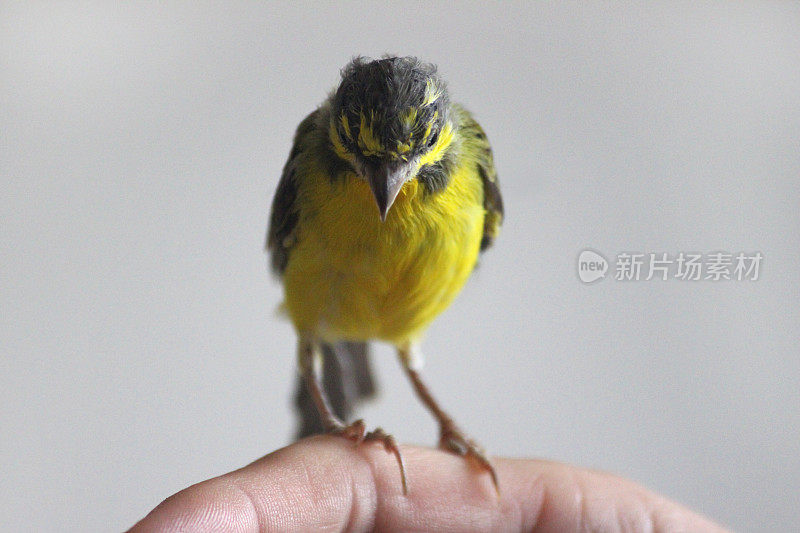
(347, 379)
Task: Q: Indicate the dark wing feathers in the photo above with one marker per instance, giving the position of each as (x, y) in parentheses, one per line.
(283, 219)
(492, 201)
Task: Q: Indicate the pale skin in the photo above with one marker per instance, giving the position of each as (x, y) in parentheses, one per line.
(327, 483)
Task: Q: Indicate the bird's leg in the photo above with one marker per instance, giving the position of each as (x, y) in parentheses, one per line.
(451, 438)
(310, 362)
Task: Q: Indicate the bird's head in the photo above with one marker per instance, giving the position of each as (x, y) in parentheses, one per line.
(389, 119)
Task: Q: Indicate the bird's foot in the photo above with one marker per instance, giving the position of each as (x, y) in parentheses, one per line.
(357, 433)
(454, 440)
(354, 432)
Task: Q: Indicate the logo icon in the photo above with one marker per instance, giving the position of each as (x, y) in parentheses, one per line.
(591, 266)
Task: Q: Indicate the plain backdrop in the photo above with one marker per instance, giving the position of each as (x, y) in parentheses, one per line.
(140, 145)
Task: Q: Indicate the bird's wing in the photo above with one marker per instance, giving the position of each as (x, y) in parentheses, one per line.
(480, 149)
(283, 219)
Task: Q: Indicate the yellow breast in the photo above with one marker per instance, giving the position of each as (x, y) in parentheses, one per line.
(352, 277)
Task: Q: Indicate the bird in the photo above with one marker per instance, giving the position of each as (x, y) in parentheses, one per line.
(387, 200)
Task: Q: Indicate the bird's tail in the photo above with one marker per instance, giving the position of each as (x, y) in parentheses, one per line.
(347, 379)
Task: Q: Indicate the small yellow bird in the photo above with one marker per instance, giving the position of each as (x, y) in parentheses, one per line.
(388, 137)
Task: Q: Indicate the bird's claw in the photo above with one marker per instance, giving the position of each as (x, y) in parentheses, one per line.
(390, 445)
(454, 440)
(356, 432)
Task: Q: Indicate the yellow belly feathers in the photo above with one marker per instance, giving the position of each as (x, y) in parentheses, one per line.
(352, 277)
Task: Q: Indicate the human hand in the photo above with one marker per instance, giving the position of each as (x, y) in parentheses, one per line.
(326, 483)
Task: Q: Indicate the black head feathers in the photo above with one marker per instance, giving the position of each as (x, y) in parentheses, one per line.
(389, 107)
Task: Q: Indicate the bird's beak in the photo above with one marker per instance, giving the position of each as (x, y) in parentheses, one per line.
(385, 181)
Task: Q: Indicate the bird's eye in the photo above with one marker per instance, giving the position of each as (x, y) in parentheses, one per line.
(433, 139)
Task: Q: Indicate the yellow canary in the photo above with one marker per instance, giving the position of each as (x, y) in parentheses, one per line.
(387, 198)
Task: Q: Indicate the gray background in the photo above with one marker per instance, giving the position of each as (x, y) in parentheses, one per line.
(139, 149)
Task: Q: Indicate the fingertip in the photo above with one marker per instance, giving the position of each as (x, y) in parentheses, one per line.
(310, 484)
(213, 505)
